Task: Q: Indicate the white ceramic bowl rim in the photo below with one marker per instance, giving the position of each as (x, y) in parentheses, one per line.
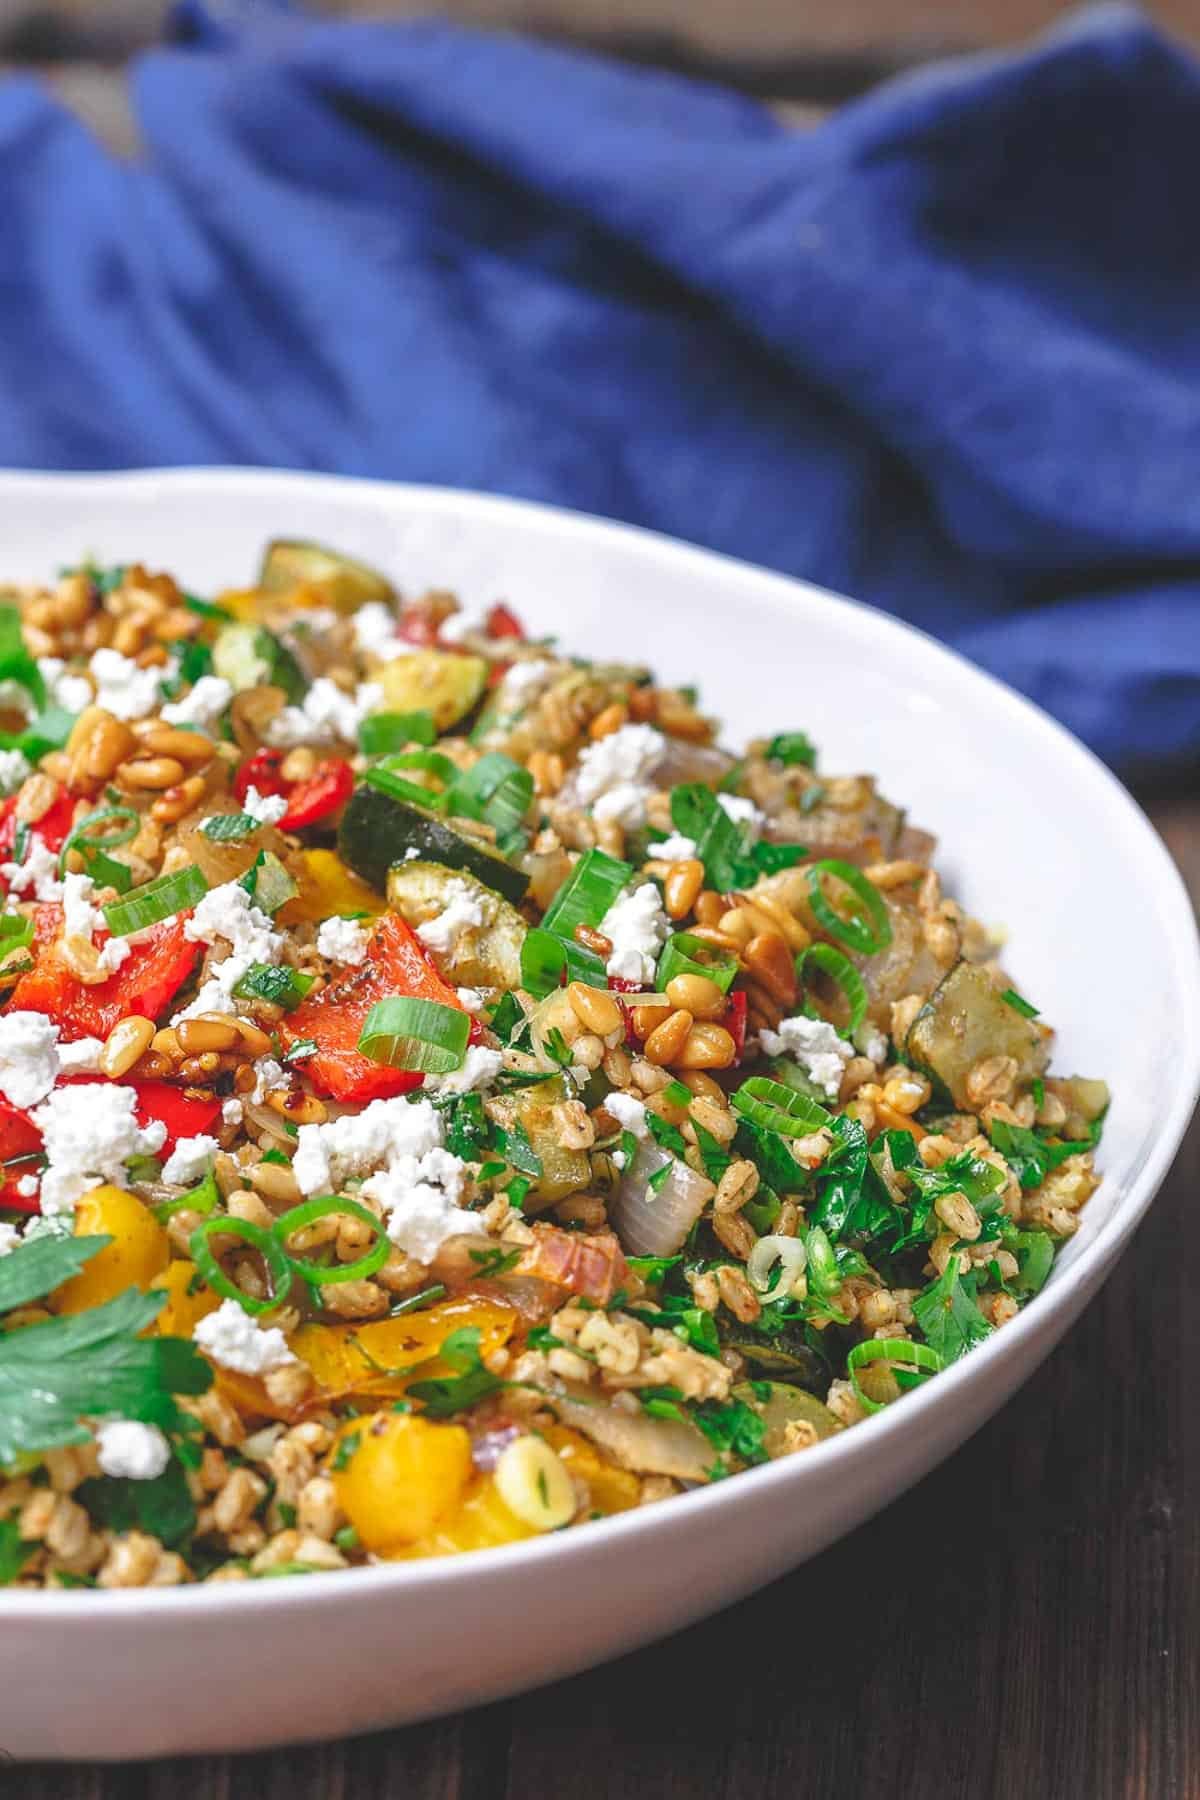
(550, 1554)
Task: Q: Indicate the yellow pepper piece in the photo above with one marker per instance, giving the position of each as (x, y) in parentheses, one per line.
(183, 1311)
(347, 1359)
(327, 886)
(612, 1490)
(139, 1252)
(481, 1522)
(399, 1475)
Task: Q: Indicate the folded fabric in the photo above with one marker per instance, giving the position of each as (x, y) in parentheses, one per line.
(941, 353)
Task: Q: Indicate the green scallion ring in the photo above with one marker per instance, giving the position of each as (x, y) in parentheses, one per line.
(774, 1107)
(587, 893)
(398, 789)
(157, 900)
(917, 1362)
(81, 839)
(279, 1264)
(684, 954)
(853, 929)
(431, 761)
(306, 1214)
(839, 968)
(204, 1198)
(422, 1035)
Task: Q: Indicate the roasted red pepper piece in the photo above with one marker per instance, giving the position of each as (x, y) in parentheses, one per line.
(19, 1136)
(502, 622)
(146, 982)
(261, 772)
(334, 1018)
(184, 1115)
(317, 797)
(53, 827)
(735, 1022)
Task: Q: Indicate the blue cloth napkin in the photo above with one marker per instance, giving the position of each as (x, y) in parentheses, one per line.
(942, 353)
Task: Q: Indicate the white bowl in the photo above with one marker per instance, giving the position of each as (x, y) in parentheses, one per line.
(1035, 834)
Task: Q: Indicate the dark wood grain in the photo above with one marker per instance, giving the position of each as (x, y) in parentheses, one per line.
(1025, 1624)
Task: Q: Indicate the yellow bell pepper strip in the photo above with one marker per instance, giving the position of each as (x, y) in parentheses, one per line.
(397, 1474)
(138, 1254)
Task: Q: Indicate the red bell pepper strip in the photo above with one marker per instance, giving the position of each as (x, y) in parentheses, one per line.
(185, 1115)
(54, 827)
(396, 963)
(146, 982)
(502, 622)
(19, 1137)
(261, 772)
(735, 1022)
(317, 797)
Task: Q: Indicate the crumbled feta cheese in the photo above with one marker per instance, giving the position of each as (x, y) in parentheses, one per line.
(329, 1154)
(125, 689)
(480, 1068)
(637, 927)
(619, 1158)
(629, 1113)
(131, 1450)
(456, 626)
(204, 705)
(376, 633)
(869, 1041)
(37, 875)
(470, 999)
(232, 1111)
(268, 1074)
(71, 692)
(229, 913)
(29, 1062)
(619, 766)
(82, 1057)
(419, 1198)
(327, 715)
(267, 809)
(82, 919)
(675, 848)
(463, 909)
(343, 940)
(742, 811)
(189, 1161)
(522, 682)
(89, 1133)
(816, 1046)
(10, 1236)
(15, 767)
(230, 1337)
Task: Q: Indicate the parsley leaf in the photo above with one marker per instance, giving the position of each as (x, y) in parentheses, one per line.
(443, 1396)
(517, 1148)
(792, 748)
(468, 1130)
(730, 856)
(34, 1268)
(14, 1551)
(164, 1507)
(1030, 1156)
(732, 1428)
(668, 1136)
(948, 1316)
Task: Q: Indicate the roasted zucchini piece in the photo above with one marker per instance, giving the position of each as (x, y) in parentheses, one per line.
(487, 956)
(563, 1171)
(782, 1406)
(250, 656)
(440, 682)
(345, 584)
(1085, 1101)
(964, 1021)
(378, 830)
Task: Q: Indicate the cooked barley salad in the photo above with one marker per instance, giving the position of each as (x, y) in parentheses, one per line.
(446, 1098)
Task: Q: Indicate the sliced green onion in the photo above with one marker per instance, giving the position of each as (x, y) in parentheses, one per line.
(1011, 998)
(1035, 1253)
(392, 731)
(547, 958)
(684, 954)
(204, 1198)
(157, 900)
(230, 828)
(268, 883)
(16, 933)
(789, 1253)
(774, 1107)
(279, 986)
(16, 661)
(91, 844)
(422, 1035)
(431, 762)
(587, 893)
(204, 609)
(278, 1264)
(398, 789)
(495, 789)
(793, 1076)
(321, 1274)
(852, 929)
(911, 1363)
(839, 968)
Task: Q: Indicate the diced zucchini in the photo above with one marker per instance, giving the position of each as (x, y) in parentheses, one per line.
(563, 1171)
(784, 1406)
(377, 830)
(435, 681)
(488, 956)
(966, 1020)
(346, 584)
(1085, 1101)
(250, 656)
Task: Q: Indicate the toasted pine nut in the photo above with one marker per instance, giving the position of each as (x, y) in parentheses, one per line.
(170, 806)
(83, 960)
(737, 924)
(152, 772)
(594, 1009)
(784, 922)
(768, 958)
(300, 1108)
(593, 940)
(35, 799)
(199, 1035)
(682, 887)
(707, 1047)
(719, 939)
(546, 767)
(166, 1043)
(127, 1040)
(704, 1088)
(667, 1040)
(709, 907)
(646, 1018)
(190, 747)
(697, 995)
(97, 743)
(275, 1182)
(608, 721)
(257, 1042)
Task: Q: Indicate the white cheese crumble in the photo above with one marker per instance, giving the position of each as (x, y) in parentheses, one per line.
(266, 809)
(232, 1111)
(480, 1068)
(37, 875)
(870, 1041)
(131, 1450)
(637, 928)
(124, 689)
(82, 919)
(463, 909)
(29, 1062)
(522, 682)
(229, 913)
(189, 1161)
(742, 811)
(327, 715)
(343, 940)
(230, 1337)
(15, 767)
(71, 692)
(675, 848)
(456, 626)
(420, 1200)
(89, 1133)
(816, 1046)
(629, 1113)
(376, 632)
(612, 775)
(204, 705)
(268, 1075)
(82, 1057)
(10, 1236)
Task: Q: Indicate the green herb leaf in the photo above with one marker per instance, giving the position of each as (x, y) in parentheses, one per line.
(443, 1396)
(163, 1507)
(948, 1316)
(14, 1551)
(732, 1428)
(36, 1267)
(792, 749)
(1011, 998)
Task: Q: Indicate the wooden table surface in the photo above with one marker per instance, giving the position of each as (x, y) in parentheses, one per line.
(1025, 1623)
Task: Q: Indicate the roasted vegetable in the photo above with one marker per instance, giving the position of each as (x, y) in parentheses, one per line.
(440, 682)
(487, 955)
(250, 656)
(344, 583)
(965, 1021)
(779, 1406)
(530, 1112)
(377, 830)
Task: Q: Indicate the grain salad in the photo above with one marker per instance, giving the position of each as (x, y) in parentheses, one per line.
(446, 1097)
